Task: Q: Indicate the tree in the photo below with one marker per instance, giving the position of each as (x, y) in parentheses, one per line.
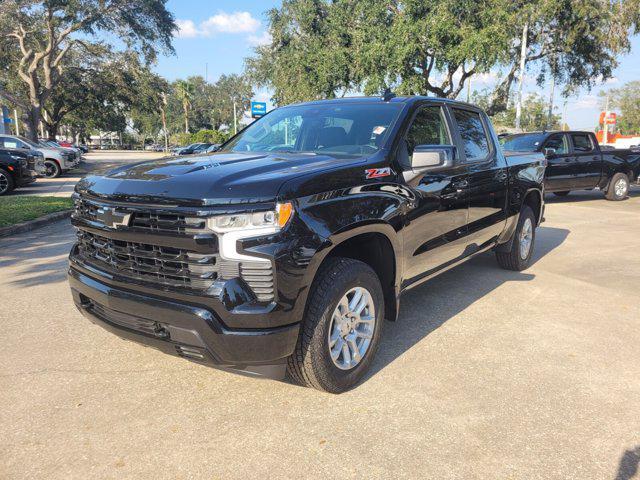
(42, 34)
(325, 48)
(185, 91)
(535, 113)
(626, 100)
(229, 89)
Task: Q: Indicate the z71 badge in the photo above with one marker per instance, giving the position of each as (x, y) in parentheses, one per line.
(377, 172)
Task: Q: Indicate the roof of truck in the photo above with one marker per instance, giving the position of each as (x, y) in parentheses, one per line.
(395, 99)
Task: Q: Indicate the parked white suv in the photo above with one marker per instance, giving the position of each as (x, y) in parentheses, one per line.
(56, 160)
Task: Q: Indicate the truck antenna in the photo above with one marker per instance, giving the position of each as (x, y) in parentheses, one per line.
(387, 95)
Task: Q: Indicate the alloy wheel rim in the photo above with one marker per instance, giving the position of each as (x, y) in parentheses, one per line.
(50, 169)
(620, 187)
(351, 329)
(526, 238)
(4, 183)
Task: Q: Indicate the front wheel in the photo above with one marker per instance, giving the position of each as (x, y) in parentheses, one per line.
(521, 253)
(618, 187)
(52, 169)
(341, 329)
(6, 182)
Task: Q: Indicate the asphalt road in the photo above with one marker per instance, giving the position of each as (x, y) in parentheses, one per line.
(487, 374)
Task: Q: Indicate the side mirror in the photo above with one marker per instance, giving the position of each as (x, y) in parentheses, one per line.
(549, 152)
(432, 157)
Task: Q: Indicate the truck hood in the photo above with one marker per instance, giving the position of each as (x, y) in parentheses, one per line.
(216, 179)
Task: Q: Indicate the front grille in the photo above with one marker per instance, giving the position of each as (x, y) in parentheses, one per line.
(151, 221)
(139, 261)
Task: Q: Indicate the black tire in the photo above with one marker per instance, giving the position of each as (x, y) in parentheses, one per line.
(6, 182)
(562, 194)
(515, 259)
(311, 363)
(53, 169)
(618, 187)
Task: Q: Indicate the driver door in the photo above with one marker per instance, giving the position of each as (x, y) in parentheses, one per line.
(436, 223)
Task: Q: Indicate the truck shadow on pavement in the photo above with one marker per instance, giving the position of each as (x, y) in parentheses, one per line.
(425, 308)
(38, 258)
(628, 466)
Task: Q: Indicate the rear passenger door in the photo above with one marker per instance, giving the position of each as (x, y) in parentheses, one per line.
(560, 164)
(487, 177)
(587, 161)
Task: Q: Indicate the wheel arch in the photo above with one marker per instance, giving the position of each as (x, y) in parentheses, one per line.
(376, 245)
(534, 199)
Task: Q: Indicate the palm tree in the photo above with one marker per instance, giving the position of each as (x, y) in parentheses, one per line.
(185, 91)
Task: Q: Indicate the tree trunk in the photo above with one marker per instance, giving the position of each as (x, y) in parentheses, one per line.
(523, 63)
(186, 118)
(52, 129)
(164, 129)
(32, 122)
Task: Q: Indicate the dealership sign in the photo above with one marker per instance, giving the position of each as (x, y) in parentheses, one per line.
(258, 109)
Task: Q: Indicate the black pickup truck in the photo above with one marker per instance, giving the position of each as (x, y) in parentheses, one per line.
(576, 162)
(18, 168)
(288, 248)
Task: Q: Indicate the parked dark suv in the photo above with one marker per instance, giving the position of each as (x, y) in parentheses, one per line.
(289, 247)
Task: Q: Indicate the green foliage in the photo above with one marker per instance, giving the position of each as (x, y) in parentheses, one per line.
(20, 208)
(209, 136)
(40, 40)
(201, 136)
(535, 114)
(183, 139)
(626, 100)
(326, 48)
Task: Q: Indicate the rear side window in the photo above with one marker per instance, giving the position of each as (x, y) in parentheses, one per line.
(558, 143)
(581, 142)
(474, 136)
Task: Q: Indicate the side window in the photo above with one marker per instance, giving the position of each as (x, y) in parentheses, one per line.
(581, 142)
(558, 143)
(428, 128)
(474, 136)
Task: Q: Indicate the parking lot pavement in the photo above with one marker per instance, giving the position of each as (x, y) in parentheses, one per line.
(94, 162)
(487, 374)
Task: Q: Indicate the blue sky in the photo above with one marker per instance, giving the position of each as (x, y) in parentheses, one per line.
(216, 37)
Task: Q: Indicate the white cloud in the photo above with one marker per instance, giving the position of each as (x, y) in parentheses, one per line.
(584, 102)
(257, 40)
(236, 22)
(222, 22)
(187, 29)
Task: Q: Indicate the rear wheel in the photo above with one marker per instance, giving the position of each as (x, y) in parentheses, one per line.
(6, 182)
(52, 169)
(618, 187)
(562, 194)
(341, 329)
(519, 257)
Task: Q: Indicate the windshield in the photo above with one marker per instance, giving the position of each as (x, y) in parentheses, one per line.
(350, 129)
(522, 143)
(29, 142)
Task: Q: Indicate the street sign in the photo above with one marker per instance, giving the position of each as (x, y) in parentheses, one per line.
(258, 109)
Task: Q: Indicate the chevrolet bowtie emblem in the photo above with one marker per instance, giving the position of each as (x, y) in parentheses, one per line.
(111, 218)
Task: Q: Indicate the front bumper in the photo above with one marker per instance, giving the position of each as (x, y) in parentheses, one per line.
(27, 177)
(188, 331)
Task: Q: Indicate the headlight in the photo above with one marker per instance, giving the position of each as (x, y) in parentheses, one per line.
(231, 228)
(270, 220)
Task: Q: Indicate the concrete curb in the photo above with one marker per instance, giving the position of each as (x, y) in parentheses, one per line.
(33, 224)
